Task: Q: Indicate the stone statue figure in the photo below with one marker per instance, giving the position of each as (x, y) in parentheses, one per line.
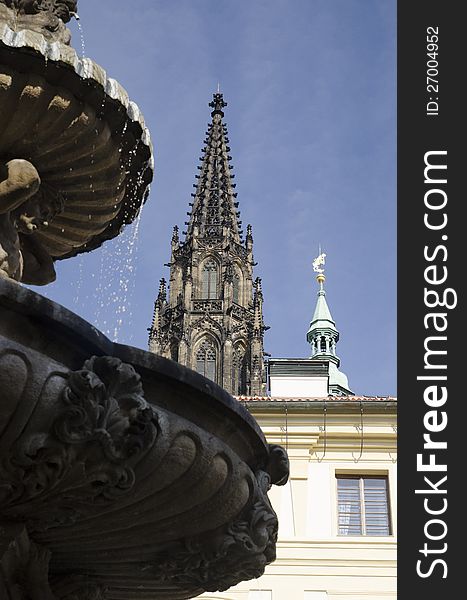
(47, 17)
(24, 208)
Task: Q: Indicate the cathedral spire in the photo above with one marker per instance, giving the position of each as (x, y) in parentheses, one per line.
(323, 335)
(213, 319)
(214, 208)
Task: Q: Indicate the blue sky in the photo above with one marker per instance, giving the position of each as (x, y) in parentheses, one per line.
(311, 92)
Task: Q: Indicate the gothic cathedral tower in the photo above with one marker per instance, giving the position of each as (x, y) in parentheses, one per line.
(212, 320)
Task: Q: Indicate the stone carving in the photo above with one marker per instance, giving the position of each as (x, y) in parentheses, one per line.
(105, 404)
(25, 208)
(207, 305)
(207, 322)
(238, 552)
(209, 243)
(46, 17)
(63, 9)
(24, 566)
(278, 465)
(111, 485)
(229, 272)
(241, 313)
(24, 571)
(103, 424)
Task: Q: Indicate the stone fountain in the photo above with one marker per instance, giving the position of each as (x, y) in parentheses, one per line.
(123, 475)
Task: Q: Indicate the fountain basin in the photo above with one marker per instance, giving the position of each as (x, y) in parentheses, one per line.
(83, 140)
(138, 476)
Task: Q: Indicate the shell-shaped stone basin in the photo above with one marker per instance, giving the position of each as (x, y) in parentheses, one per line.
(78, 128)
(136, 473)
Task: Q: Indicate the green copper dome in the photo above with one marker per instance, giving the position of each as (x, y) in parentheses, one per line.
(323, 336)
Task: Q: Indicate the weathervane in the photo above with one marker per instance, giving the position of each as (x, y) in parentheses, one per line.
(317, 262)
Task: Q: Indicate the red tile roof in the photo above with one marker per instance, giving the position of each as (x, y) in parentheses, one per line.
(327, 399)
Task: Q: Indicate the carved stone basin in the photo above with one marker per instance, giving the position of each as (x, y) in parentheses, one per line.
(138, 475)
(75, 154)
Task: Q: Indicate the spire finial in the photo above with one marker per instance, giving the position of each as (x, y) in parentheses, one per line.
(217, 103)
(218, 88)
(319, 260)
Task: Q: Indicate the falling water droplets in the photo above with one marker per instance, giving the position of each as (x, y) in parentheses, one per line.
(127, 280)
(103, 289)
(81, 33)
(79, 282)
(115, 282)
(110, 284)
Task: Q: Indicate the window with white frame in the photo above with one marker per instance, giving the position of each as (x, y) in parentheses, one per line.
(363, 505)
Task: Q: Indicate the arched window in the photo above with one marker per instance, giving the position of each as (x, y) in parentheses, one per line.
(236, 287)
(206, 360)
(238, 370)
(209, 280)
(323, 344)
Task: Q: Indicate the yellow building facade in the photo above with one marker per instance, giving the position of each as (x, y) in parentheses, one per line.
(337, 513)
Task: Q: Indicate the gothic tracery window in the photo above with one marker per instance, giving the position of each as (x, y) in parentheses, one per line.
(238, 370)
(236, 288)
(209, 280)
(206, 360)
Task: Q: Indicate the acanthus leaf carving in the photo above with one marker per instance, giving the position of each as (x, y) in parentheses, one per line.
(86, 457)
(105, 404)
